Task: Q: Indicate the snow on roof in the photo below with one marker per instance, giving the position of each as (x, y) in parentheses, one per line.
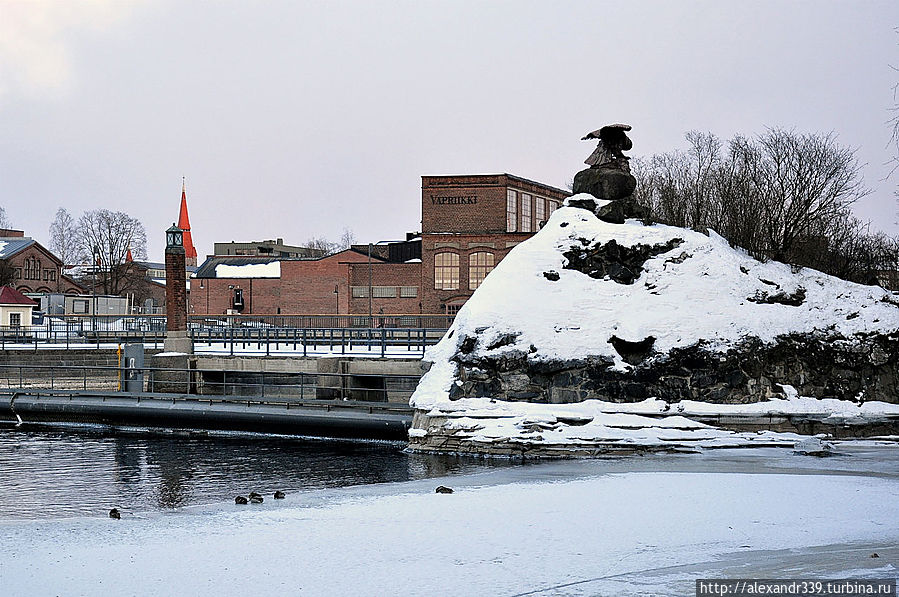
(698, 291)
(9, 246)
(250, 270)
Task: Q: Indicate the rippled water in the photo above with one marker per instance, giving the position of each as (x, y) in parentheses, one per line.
(55, 473)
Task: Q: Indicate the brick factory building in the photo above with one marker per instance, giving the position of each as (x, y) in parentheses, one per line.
(469, 223)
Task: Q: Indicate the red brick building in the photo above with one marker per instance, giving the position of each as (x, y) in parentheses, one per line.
(469, 223)
(33, 268)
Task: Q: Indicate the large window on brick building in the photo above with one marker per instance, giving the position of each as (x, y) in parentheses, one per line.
(539, 211)
(479, 265)
(553, 206)
(525, 212)
(446, 271)
(511, 211)
(383, 291)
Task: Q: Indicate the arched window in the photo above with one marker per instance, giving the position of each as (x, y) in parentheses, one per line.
(446, 271)
(479, 265)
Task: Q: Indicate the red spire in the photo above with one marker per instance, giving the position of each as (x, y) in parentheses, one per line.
(184, 224)
(128, 257)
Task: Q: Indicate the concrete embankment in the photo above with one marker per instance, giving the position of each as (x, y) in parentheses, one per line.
(318, 418)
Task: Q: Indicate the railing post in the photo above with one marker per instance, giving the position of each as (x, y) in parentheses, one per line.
(383, 341)
(267, 341)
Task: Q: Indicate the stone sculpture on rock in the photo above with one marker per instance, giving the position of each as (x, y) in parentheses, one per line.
(609, 176)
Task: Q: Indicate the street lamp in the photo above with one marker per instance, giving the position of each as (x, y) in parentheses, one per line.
(337, 300)
(95, 259)
(174, 237)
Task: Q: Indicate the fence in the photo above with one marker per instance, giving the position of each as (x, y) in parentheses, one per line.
(229, 333)
(290, 387)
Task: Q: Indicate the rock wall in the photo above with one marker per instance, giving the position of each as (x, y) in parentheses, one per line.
(860, 368)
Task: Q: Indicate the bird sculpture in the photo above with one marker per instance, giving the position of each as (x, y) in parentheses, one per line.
(613, 140)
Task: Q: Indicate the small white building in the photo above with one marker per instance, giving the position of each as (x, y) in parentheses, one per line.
(15, 308)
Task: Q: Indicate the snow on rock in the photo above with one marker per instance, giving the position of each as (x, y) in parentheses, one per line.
(587, 310)
(813, 446)
(250, 270)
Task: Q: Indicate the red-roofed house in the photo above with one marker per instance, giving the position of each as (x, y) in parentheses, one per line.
(15, 308)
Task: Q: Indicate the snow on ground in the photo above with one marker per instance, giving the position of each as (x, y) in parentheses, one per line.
(646, 526)
(698, 291)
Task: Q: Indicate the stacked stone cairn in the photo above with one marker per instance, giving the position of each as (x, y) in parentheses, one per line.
(609, 177)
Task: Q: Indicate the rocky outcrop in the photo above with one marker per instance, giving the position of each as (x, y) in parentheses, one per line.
(621, 264)
(860, 368)
(601, 314)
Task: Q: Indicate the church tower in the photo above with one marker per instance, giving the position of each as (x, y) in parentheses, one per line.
(190, 253)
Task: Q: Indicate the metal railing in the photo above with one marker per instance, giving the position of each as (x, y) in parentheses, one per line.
(430, 321)
(379, 341)
(221, 336)
(253, 386)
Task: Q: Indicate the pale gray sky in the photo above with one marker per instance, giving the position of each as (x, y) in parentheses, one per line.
(296, 119)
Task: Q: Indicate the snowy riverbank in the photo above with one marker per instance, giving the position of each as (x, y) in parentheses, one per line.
(622, 526)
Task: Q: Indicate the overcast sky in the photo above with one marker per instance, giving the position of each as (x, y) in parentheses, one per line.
(297, 119)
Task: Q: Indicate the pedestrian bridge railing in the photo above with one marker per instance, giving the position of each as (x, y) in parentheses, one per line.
(220, 384)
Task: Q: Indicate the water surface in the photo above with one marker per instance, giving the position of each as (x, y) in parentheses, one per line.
(48, 472)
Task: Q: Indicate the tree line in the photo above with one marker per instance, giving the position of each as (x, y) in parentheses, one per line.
(780, 195)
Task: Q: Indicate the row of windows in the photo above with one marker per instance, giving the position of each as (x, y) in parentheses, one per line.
(30, 274)
(533, 212)
(385, 291)
(446, 269)
(33, 270)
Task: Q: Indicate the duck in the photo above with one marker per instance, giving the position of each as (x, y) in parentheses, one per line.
(240, 500)
(114, 513)
(256, 498)
(279, 495)
(443, 489)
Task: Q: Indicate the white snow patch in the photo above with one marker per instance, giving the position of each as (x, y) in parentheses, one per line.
(250, 270)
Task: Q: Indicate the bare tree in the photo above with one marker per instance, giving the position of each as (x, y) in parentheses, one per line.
(64, 240)
(894, 126)
(4, 221)
(322, 245)
(107, 236)
(780, 195)
(347, 239)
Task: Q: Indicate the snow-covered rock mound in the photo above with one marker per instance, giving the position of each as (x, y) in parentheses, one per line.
(587, 310)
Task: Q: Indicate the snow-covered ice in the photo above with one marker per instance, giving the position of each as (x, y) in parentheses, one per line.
(638, 526)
